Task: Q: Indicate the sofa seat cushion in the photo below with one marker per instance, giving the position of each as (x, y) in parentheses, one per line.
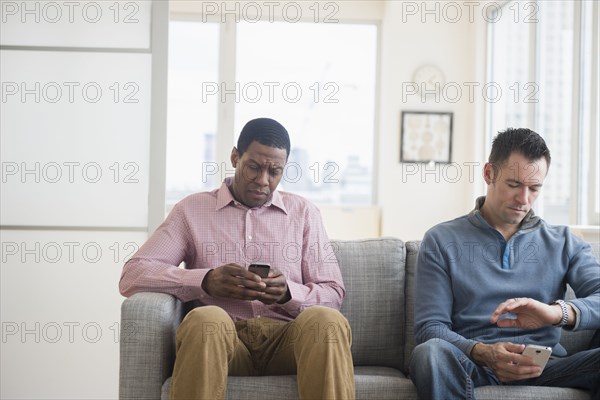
(529, 392)
(380, 383)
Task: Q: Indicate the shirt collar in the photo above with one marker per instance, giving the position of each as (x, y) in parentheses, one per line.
(224, 197)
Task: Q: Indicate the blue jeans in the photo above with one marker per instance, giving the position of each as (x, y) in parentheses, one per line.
(440, 370)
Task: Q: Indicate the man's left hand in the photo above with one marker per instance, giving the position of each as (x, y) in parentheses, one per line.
(277, 288)
(529, 313)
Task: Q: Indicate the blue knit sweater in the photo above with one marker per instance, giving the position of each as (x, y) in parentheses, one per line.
(465, 269)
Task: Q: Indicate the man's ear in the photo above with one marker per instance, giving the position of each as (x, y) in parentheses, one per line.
(235, 156)
(489, 175)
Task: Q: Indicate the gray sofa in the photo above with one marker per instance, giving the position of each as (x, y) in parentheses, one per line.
(379, 277)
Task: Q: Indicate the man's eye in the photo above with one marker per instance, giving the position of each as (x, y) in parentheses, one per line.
(513, 185)
(254, 167)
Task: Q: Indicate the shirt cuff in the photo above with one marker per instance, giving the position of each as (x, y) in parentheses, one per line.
(577, 319)
(191, 285)
(295, 305)
(468, 347)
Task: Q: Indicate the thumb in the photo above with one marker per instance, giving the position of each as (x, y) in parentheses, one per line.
(507, 323)
(515, 348)
(274, 272)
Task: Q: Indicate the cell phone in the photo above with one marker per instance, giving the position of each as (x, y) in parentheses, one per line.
(260, 269)
(540, 354)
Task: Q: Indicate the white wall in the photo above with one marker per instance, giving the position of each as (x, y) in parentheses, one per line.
(413, 202)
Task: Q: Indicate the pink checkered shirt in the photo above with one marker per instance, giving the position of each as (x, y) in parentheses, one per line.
(210, 229)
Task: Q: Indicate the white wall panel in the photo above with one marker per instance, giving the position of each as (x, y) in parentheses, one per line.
(109, 24)
(75, 101)
(60, 310)
(75, 138)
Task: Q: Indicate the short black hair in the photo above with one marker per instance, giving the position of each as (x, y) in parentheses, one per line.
(265, 131)
(519, 140)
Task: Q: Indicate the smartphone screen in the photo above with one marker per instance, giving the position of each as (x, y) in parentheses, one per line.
(260, 269)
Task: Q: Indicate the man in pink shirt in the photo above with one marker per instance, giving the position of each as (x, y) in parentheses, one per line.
(286, 323)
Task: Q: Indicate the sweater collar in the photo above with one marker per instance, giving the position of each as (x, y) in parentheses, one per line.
(530, 221)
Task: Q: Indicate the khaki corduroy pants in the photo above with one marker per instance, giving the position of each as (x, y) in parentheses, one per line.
(315, 346)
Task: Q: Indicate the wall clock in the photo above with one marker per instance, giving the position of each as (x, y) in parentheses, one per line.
(429, 79)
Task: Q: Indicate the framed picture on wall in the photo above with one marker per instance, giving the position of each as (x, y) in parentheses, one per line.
(425, 137)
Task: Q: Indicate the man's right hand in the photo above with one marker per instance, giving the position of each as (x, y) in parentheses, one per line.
(233, 282)
(506, 361)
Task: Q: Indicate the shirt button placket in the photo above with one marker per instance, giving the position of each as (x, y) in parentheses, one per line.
(254, 304)
(249, 226)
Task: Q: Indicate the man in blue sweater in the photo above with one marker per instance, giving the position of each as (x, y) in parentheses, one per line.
(493, 281)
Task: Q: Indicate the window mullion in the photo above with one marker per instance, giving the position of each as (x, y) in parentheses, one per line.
(575, 211)
(593, 217)
(227, 63)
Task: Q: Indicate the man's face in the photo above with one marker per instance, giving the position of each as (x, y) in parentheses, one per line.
(257, 173)
(512, 192)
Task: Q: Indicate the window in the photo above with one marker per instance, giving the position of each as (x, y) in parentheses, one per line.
(549, 62)
(191, 119)
(554, 116)
(327, 107)
(509, 69)
(296, 73)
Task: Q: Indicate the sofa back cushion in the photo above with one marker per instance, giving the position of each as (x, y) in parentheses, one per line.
(373, 272)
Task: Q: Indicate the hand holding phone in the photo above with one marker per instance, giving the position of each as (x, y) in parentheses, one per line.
(260, 269)
(540, 354)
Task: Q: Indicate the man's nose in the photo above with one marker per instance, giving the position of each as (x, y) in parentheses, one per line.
(262, 177)
(522, 195)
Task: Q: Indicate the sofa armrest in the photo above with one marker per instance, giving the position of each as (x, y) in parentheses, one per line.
(147, 344)
(576, 341)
